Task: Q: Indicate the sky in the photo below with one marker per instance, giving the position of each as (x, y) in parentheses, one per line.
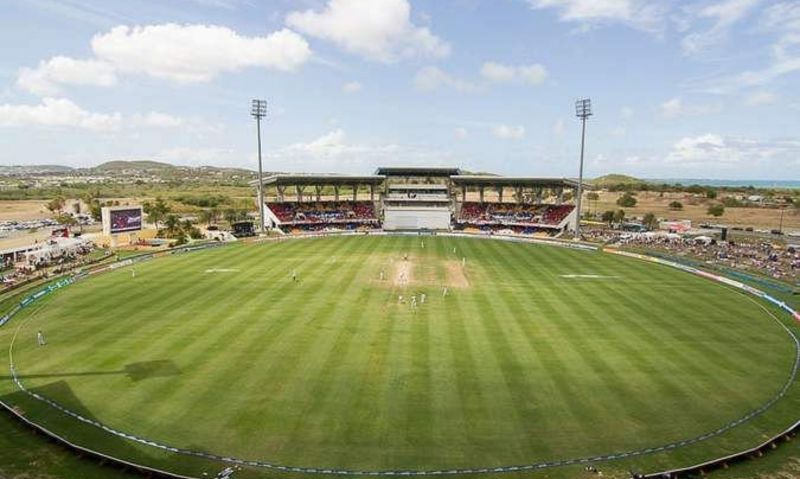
(699, 89)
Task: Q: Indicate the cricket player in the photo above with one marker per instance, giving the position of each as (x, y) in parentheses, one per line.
(383, 275)
(422, 298)
(294, 275)
(463, 261)
(40, 338)
(133, 273)
(444, 292)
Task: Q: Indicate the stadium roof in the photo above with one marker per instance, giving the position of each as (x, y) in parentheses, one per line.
(482, 180)
(417, 171)
(286, 179)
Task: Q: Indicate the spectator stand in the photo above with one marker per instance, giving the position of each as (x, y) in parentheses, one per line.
(315, 202)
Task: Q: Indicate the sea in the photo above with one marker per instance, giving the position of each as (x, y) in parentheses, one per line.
(783, 184)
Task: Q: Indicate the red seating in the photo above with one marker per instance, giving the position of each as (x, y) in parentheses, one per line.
(507, 213)
(324, 212)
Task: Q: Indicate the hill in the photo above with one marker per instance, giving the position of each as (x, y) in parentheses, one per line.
(12, 170)
(139, 165)
(616, 179)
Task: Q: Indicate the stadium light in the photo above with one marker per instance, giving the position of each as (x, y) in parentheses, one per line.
(258, 110)
(583, 110)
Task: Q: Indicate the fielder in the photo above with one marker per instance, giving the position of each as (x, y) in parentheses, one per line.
(444, 292)
(40, 338)
(133, 273)
(294, 275)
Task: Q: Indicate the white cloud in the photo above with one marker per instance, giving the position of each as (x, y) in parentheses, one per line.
(191, 156)
(57, 113)
(618, 131)
(644, 15)
(460, 133)
(509, 132)
(761, 98)
(335, 152)
(432, 78)
(64, 113)
(558, 127)
(376, 29)
(723, 15)
(46, 78)
(783, 56)
(534, 74)
(352, 87)
(156, 119)
(332, 152)
(626, 113)
(714, 150)
(196, 53)
(675, 108)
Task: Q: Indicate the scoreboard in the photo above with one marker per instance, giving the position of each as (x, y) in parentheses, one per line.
(121, 219)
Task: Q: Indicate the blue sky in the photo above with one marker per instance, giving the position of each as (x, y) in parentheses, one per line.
(680, 89)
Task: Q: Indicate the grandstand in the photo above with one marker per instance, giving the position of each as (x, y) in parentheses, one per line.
(418, 199)
(297, 203)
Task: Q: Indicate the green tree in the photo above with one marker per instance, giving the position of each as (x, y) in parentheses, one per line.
(711, 194)
(650, 221)
(92, 198)
(592, 196)
(172, 225)
(66, 219)
(608, 217)
(205, 217)
(716, 210)
(56, 205)
(676, 205)
(232, 215)
(157, 211)
(627, 200)
(619, 216)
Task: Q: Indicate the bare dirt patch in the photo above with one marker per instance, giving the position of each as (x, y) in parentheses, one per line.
(456, 276)
(23, 210)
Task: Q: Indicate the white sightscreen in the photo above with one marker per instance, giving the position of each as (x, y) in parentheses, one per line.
(416, 218)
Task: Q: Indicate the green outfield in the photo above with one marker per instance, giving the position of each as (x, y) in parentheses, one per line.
(535, 354)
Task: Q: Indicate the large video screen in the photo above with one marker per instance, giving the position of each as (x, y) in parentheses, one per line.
(125, 220)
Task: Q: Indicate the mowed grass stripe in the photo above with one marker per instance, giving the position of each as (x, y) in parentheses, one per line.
(514, 398)
(695, 409)
(278, 297)
(523, 365)
(593, 369)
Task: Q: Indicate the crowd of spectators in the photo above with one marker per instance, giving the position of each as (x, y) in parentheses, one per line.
(519, 214)
(324, 212)
(775, 260)
(50, 259)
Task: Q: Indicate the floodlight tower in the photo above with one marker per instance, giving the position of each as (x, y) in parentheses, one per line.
(258, 110)
(583, 110)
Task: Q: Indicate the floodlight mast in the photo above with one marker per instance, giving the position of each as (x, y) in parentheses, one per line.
(583, 110)
(258, 111)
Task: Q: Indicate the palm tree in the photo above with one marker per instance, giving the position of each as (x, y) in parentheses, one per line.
(172, 225)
